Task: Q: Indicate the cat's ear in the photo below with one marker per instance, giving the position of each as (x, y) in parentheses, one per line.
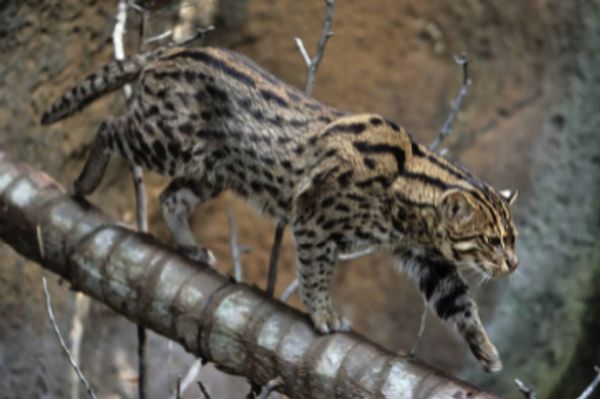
(456, 206)
(510, 196)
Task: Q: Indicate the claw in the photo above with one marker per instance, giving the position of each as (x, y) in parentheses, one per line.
(487, 355)
(199, 254)
(328, 321)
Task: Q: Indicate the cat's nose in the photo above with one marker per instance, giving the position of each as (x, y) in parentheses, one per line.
(512, 261)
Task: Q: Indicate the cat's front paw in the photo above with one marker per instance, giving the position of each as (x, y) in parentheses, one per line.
(198, 254)
(328, 321)
(487, 354)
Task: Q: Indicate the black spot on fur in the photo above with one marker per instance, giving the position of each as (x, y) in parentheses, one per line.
(159, 149)
(367, 148)
(271, 96)
(216, 93)
(375, 121)
(352, 128)
(327, 202)
(202, 56)
(186, 128)
(414, 147)
(174, 149)
(345, 178)
(370, 163)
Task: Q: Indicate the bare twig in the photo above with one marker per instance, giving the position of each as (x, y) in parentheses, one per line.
(82, 308)
(88, 388)
(162, 36)
(421, 331)
(190, 376)
(196, 35)
(204, 390)
(590, 389)
(235, 249)
(357, 254)
(275, 252)
(141, 200)
(117, 36)
(456, 103)
(138, 174)
(303, 52)
(293, 286)
(178, 387)
(313, 64)
(289, 290)
(527, 392)
(270, 387)
(40, 240)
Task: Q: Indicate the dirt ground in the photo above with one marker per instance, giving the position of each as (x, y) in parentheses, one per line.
(392, 57)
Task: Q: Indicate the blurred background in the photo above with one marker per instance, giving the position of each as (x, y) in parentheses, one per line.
(530, 122)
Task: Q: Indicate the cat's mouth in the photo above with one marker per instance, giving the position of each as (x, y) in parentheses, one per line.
(481, 272)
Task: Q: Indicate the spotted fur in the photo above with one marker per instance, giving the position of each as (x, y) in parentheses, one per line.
(213, 121)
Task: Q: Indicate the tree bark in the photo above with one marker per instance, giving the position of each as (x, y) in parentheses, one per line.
(234, 325)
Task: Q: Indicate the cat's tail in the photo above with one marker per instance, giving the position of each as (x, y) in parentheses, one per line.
(110, 77)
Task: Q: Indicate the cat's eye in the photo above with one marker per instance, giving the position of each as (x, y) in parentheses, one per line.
(494, 241)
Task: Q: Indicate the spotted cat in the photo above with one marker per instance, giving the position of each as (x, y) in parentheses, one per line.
(214, 121)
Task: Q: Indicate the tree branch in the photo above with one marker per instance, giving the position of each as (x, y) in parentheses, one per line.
(74, 365)
(313, 64)
(137, 171)
(590, 388)
(446, 130)
(526, 391)
(234, 325)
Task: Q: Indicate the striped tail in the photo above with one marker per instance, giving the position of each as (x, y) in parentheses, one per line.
(112, 76)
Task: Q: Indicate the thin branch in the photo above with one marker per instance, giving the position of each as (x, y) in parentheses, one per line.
(85, 383)
(527, 392)
(203, 390)
(178, 387)
(199, 34)
(275, 252)
(162, 36)
(138, 173)
(141, 201)
(303, 52)
(312, 65)
(117, 37)
(191, 375)
(235, 249)
(270, 387)
(590, 389)
(326, 33)
(141, 337)
(289, 290)
(40, 240)
(456, 103)
(357, 254)
(82, 308)
(421, 331)
(293, 286)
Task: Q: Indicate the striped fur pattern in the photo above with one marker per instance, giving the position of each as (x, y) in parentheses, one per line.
(214, 121)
